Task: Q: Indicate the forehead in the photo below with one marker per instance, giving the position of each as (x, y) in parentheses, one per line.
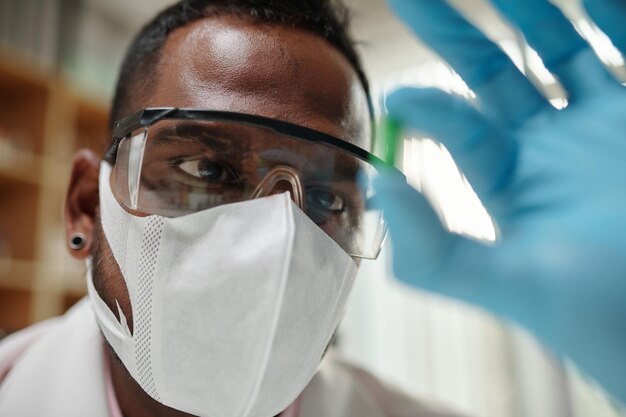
(230, 63)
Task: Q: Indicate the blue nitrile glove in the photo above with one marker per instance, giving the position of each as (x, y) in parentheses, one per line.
(554, 182)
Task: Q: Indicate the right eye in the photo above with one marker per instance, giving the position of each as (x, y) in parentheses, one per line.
(206, 170)
(325, 199)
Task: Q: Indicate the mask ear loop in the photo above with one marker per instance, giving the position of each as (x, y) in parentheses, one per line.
(274, 177)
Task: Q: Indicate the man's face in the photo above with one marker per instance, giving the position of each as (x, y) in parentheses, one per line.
(229, 63)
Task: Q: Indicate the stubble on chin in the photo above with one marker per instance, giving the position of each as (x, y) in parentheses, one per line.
(107, 277)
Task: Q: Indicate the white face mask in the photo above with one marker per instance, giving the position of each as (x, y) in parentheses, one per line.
(232, 307)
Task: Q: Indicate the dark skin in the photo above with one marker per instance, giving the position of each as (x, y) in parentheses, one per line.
(223, 63)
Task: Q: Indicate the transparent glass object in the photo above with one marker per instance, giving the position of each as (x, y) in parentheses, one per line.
(178, 167)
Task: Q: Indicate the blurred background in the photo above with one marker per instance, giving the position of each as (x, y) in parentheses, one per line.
(58, 65)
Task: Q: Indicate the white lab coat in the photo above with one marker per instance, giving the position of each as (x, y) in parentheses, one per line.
(56, 369)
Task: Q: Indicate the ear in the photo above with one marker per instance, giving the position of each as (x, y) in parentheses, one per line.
(81, 202)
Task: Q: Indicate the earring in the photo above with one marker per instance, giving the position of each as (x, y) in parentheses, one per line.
(77, 241)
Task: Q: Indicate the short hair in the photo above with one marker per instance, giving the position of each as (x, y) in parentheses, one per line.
(328, 19)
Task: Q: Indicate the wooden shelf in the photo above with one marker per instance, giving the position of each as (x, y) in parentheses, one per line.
(23, 114)
(17, 274)
(16, 72)
(43, 121)
(92, 126)
(23, 168)
(18, 214)
(15, 306)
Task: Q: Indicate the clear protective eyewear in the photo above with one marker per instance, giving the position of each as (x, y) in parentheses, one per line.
(173, 162)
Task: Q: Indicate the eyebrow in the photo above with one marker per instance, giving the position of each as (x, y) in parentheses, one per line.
(219, 138)
(347, 172)
(346, 166)
(209, 137)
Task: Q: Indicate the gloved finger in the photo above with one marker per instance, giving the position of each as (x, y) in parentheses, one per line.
(420, 242)
(484, 154)
(609, 16)
(427, 256)
(554, 38)
(505, 94)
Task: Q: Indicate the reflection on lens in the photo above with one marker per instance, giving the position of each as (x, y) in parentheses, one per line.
(189, 166)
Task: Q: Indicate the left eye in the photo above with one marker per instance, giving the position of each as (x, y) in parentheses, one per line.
(324, 199)
(206, 170)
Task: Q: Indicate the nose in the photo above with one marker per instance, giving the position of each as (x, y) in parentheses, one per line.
(279, 180)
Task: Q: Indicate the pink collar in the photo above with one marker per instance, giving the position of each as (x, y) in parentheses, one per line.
(114, 406)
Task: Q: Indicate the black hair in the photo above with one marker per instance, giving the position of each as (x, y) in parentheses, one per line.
(328, 19)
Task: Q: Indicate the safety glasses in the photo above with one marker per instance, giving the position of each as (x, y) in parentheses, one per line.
(173, 162)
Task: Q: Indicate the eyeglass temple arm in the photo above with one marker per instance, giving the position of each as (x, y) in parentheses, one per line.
(142, 118)
(125, 127)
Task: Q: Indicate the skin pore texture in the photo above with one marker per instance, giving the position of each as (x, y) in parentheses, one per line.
(230, 63)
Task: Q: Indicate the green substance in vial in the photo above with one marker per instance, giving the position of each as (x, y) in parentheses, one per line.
(390, 131)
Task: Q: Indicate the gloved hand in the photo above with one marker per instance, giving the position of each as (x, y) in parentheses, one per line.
(553, 180)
